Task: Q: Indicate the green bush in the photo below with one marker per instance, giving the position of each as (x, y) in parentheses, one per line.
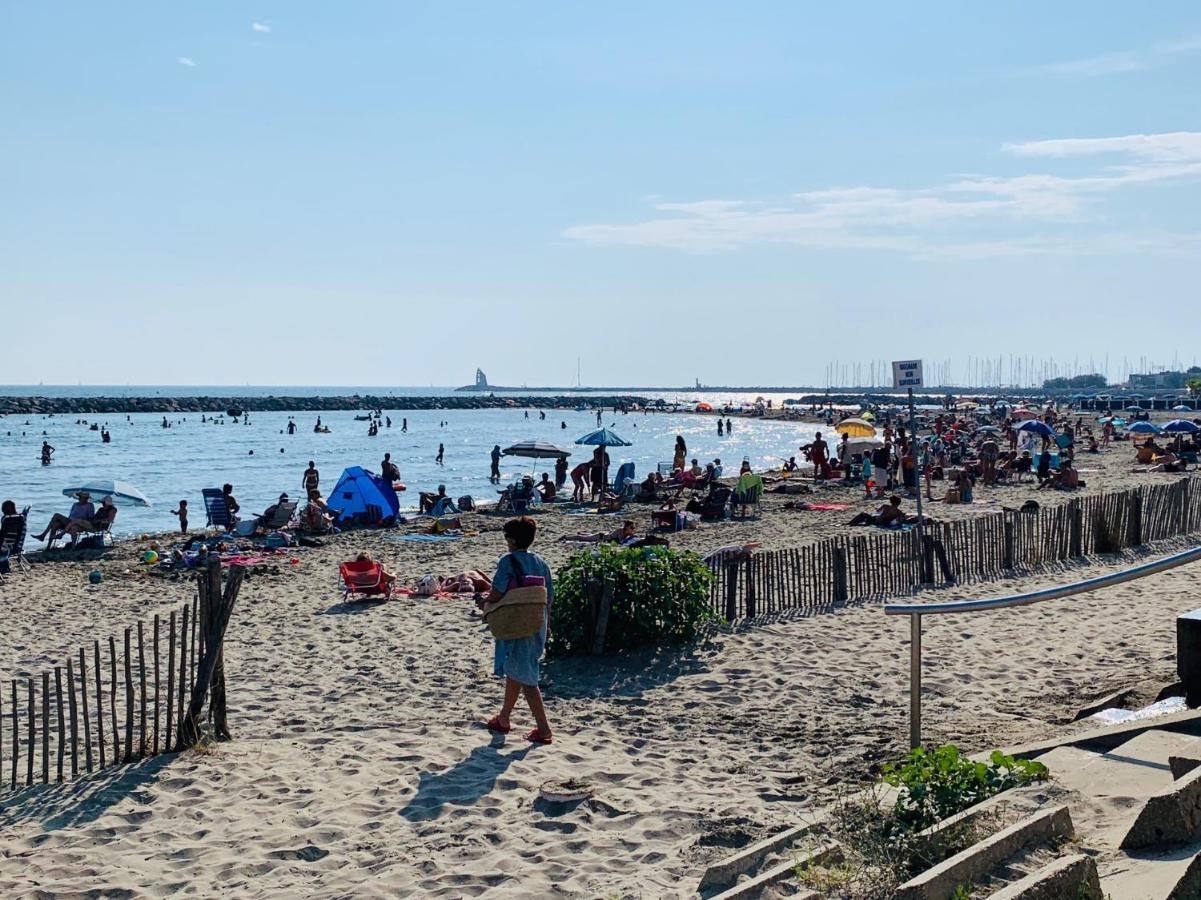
(660, 596)
(934, 784)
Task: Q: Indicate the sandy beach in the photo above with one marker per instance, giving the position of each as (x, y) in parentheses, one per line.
(360, 766)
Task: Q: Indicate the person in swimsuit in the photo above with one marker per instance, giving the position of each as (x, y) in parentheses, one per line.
(311, 481)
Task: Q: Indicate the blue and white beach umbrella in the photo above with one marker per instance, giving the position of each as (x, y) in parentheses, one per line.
(1037, 426)
(1143, 428)
(122, 492)
(1180, 426)
(603, 437)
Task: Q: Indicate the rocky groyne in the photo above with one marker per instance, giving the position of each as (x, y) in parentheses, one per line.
(165, 405)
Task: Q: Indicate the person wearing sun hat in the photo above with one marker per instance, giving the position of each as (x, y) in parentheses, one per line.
(81, 511)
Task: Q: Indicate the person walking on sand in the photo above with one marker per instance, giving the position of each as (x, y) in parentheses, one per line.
(518, 659)
(441, 453)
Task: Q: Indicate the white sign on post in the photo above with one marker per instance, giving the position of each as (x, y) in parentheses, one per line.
(907, 373)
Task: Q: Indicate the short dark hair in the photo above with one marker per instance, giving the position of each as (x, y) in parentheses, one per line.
(10, 508)
(895, 500)
(227, 488)
(521, 531)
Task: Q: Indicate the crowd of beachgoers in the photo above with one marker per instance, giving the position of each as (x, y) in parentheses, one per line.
(369, 754)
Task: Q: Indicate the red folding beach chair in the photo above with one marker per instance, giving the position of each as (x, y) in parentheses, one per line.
(365, 577)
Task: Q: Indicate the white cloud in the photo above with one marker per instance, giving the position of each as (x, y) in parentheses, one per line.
(937, 222)
(261, 27)
(1174, 146)
(187, 61)
(1116, 63)
(1105, 64)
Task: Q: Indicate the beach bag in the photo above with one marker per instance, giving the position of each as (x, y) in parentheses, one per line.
(521, 612)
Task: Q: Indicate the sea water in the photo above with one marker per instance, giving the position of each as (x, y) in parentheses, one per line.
(261, 460)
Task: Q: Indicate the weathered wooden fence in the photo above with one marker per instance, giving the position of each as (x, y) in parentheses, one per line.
(120, 701)
(857, 567)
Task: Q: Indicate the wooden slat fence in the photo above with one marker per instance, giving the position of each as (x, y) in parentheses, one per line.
(857, 567)
(101, 709)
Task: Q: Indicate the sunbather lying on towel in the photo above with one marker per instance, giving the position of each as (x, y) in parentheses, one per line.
(626, 532)
(472, 582)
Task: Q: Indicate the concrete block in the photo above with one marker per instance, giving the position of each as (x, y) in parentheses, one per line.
(1171, 818)
(754, 887)
(1182, 765)
(1188, 655)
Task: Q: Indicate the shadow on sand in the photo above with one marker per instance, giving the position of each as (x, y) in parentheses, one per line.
(464, 783)
(82, 800)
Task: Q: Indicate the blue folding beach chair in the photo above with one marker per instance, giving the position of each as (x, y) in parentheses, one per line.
(217, 514)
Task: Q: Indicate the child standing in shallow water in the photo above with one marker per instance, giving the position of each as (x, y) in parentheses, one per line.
(182, 512)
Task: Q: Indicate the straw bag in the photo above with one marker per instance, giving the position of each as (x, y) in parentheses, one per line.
(521, 612)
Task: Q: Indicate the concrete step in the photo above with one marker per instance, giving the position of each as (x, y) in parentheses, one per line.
(1044, 828)
(1073, 876)
(753, 888)
(754, 857)
(1111, 788)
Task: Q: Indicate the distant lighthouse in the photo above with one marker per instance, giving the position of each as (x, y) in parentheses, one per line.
(481, 380)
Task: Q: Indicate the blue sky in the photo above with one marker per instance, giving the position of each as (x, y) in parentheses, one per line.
(387, 193)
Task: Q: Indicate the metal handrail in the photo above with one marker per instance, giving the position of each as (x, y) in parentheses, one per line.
(915, 611)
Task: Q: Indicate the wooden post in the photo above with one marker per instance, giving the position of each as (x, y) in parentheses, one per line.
(604, 604)
(142, 685)
(189, 729)
(1076, 525)
(944, 564)
(170, 679)
(62, 725)
(16, 736)
(1136, 520)
(112, 697)
(752, 601)
(45, 728)
(33, 727)
(156, 683)
(840, 575)
(74, 718)
(731, 568)
(99, 703)
(83, 696)
(927, 559)
(1008, 553)
(128, 696)
(213, 610)
(183, 677)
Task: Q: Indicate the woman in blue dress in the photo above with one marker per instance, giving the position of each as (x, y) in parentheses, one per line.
(518, 659)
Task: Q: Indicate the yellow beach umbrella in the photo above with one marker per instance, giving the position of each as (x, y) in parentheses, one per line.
(856, 428)
(868, 416)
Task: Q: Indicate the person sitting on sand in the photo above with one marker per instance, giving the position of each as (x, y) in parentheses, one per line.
(1066, 479)
(81, 511)
(428, 501)
(628, 531)
(546, 488)
(231, 504)
(885, 517)
(791, 465)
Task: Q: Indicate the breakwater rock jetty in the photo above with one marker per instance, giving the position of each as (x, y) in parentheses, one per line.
(94, 405)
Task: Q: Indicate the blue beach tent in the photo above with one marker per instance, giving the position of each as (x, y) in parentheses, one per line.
(363, 496)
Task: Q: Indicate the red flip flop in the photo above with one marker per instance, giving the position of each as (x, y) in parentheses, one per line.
(538, 737)
(493, 724)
